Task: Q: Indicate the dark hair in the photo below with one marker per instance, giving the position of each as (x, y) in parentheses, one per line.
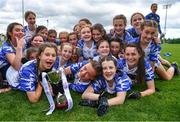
(109, 58)
(40, 28)
(121, 16)
(75, 27)
(120, 41)
(136, 14)
(154, 4)
(97, 66)
(141, 64)
(50, 31)
(27, 13)
(100, 28)
(10, 28)
(86, 20)
(29, 44)
(100, 41)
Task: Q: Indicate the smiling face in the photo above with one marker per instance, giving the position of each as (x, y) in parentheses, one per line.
(109, 70)
(52, 37)
(136, 21)
(87, 72)
(66, 52)
(154, 8)
(47, 58)
(115, 48)
(16, 33)
(37, 41)
(86, 34)
(147, 34)
(31, 20)
(63, 37)
(132, 56)
(119, 26)
(97, 35)
(73, 39)
(43, 33)
(103, 49)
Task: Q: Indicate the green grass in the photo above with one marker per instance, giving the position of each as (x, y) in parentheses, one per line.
(161, 106)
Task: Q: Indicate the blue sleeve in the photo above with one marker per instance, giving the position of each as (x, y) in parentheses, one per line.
(128, 37)
(154, 52)
(134, 40)
(76, 67)
(27, 80)
(7, 49)
(120, 63)
(148, 16)
(98, 84)
(123, 83)
(149, 71)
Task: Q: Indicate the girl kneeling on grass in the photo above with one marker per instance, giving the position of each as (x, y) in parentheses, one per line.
(30, 78)
(113, 82)
(138, 69)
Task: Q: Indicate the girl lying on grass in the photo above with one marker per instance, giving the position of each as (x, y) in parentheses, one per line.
(138, 69)
(113, 81)
(29, 78)
(148, 41)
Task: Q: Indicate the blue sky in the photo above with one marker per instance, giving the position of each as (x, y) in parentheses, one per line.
(62, 15)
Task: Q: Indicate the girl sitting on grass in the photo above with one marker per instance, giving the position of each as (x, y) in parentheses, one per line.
(11, 51)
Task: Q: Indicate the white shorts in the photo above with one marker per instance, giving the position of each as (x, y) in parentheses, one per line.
(12, 76)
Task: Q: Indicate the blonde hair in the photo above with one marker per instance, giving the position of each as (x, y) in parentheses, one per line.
(149, 23)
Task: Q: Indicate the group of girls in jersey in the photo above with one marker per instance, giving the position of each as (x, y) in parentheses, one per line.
(96, 62)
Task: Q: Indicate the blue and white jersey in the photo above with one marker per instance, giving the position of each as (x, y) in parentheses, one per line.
(80, 43)
(28, 34)
(152, 51)
(5, 49)
(155, 17)
(86, 52)
(122, 83)
(123, 66)
(125, 38)
(78, 85)
(28, 76)
(97, 58)
(57, 63)
(133, 32)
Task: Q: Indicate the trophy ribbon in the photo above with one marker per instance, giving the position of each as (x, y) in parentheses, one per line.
(66, 89)
(48, 93)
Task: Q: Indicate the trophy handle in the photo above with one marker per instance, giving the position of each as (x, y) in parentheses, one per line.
(66, 89)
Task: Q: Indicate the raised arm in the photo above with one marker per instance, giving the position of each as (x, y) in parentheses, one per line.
(15, 59)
